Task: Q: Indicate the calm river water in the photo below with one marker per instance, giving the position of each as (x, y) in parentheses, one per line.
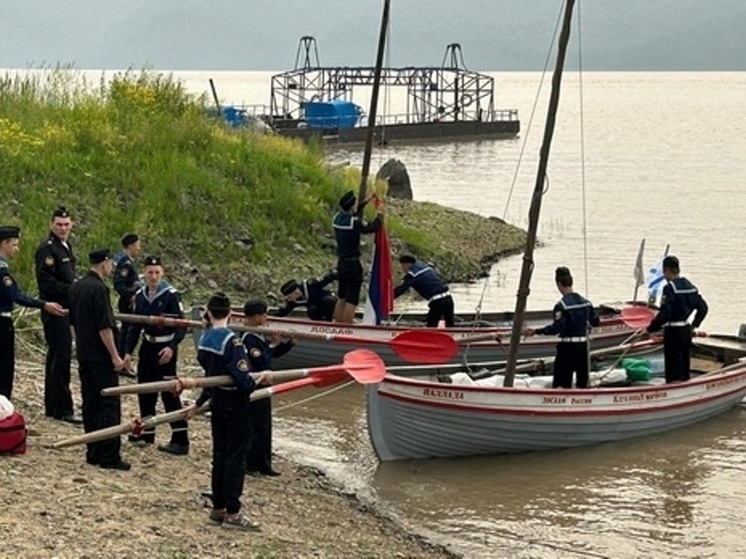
(664, 160)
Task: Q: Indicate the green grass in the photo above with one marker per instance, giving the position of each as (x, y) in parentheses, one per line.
(138, 153)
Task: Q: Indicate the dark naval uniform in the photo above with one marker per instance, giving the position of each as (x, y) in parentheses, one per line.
(259, 458)
(90, 312)
(126, 284)
(10, 293)
(319, 302)
(680, 299)
(428, 284)
(166, 301)
(221, 352)
(573, 317)
(347, 231)
(55, 273)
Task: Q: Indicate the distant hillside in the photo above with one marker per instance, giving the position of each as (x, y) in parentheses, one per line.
(263, 34)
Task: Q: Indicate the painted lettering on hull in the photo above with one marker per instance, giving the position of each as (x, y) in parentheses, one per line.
(443, 394)
(331, 330)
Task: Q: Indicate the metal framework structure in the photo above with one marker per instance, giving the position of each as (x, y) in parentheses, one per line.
(449, 93)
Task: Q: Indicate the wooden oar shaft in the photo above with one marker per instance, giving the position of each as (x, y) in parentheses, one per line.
(128, 427)
(184, 383)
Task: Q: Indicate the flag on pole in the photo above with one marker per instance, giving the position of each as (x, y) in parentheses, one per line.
(639, 274)
(655, 279)
(380, 300)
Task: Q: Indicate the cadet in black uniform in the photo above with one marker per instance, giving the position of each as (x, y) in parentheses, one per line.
(427, 282)
(261, 351)
(98, 358)
(220, 352)
(126, 281)
(573, 317)
(158, 352)
(347, 230)
(310, 293)
(680, 299)
(55, 273)
(10, 293)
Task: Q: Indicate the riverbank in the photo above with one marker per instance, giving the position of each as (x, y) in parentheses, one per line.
(55, 505)
(225, 208)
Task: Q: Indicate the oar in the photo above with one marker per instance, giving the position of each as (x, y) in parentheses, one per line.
(368, 366)
(637, 317)
(425, 346)
(363, 365)
(134, 426)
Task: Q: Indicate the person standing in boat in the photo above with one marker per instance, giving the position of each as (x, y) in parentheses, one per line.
(573, 317)
(126, 281)
(310, 293)
(680, 299)
(426, 281)
(261, 350)
(347, 230)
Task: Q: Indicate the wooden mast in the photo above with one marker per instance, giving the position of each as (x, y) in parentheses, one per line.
(373, 104)
(536, 199)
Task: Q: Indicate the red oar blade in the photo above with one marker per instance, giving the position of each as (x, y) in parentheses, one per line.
(365, 366)
(425, 346)
(637, 317)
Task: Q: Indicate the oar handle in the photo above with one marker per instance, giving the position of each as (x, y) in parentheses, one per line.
(129, 427)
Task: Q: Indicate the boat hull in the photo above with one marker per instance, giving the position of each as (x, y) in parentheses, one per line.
(410, 419)
(312, 353)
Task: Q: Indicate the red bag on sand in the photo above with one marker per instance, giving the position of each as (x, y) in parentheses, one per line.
(13, 434)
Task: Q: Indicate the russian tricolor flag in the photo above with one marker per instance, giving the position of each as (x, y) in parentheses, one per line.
(380, 300)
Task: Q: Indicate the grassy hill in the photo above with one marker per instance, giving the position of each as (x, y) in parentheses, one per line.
(225, 208)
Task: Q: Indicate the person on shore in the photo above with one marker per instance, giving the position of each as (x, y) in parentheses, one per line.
(310, 293)
(55, 274)
(573, 317)
(680, 299)
(261, 350)
(426, 281)
(93, 325)
(221, 352)
(158, 353)
(10, 294)
(347, 230)
(126, 281)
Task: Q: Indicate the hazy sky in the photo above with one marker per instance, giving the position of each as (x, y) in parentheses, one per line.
(263, 34)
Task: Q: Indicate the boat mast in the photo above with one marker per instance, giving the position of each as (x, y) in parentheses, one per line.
(533, 212)
(373, 104)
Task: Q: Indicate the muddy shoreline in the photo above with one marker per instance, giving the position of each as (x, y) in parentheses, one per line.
(53, 504)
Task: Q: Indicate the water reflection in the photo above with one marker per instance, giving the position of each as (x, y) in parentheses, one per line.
(618, 500)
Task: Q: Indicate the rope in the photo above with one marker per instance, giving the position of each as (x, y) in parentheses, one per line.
(314, 397)
(582, 149)
(524, 143)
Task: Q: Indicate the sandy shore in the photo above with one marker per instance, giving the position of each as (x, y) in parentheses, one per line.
(52, 504)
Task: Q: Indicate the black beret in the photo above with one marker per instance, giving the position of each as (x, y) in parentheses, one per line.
(153, 261)
(9, 232)
(254, 307)
(671, 262)
(61, 211)
(219, 302)
(407, 259)
(289, 286)
(130, 239)
(347, 201)
(99, 255)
